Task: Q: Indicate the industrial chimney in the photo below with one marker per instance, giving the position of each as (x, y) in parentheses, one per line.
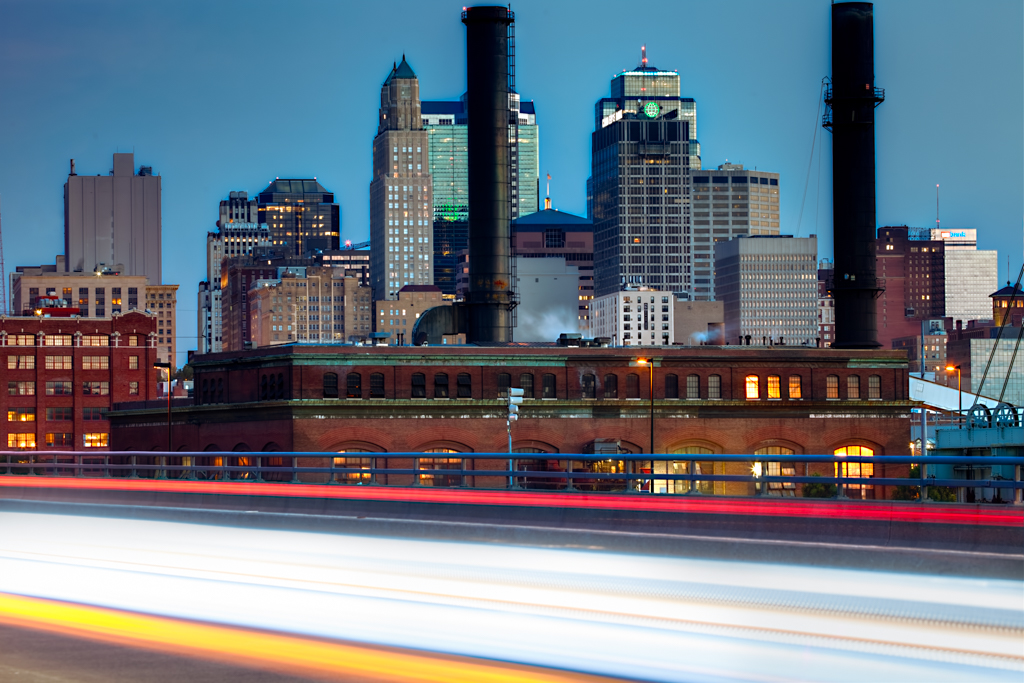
(489, 300)
(852, 98)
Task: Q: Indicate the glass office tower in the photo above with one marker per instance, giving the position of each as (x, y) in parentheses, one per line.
(640, 184)
(446, 126)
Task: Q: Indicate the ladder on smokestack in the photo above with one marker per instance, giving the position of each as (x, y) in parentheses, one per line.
(513, 170)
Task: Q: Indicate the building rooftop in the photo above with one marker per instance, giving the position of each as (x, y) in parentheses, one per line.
(552, 217)
(295, 186)
(402, 70)
(1008, 290)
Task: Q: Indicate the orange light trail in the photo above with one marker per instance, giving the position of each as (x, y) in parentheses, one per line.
(289, 654)
(885, 511)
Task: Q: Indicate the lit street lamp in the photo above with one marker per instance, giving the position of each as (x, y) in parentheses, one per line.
(649, 362)
(960, 391)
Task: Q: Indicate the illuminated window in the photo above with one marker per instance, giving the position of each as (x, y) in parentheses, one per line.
(774, 387)
(57, 340)
(753, 386)
(95, 340)
(133, 340)
(853, 387)
(59, 439)
(21, 414)
(96, 440)
(832, 387)
(779, 469)
(21, 440)
(440, 464)
(133, 388)
(795, 387)
(59, 389)
(874, 387)
(94, 362)
(360, 463)
(21, 362)
(855, 469)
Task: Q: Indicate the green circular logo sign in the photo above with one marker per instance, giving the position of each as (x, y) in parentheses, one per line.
(651, 110)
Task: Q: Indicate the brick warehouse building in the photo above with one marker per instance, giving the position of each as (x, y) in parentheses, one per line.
(708, 400)
(64, 374)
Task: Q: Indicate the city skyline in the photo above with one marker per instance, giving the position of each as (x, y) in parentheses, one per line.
(158, 81)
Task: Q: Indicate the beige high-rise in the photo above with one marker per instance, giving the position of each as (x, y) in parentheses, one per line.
(401, 197)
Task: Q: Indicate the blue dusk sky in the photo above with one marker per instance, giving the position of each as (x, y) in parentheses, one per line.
(221, 96)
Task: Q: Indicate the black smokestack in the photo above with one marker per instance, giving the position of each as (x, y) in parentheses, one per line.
(487, 110)
(853, 98)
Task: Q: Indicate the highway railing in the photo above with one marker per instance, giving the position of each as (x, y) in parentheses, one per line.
(946, 478)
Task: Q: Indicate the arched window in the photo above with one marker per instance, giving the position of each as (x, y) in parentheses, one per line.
(354, 385)
(693, 387)
(464, 383)
(778, 469)
(588, 386)
(504, 383)
(753, 386)
(206, 392)
(853, 387)
(774, 387)
(263, 388)
(360, 463)
(678, 467)
(280, 385)
(377, 385)
(330, 385)
(220, 390)
(441, 385)
(550, 387)
(671, 386)
(795, 387)
(856, 469)
(611, 386)
(632, 385)
(714, 386)
(419, 385)
(526, 384)
(874, 387)
(832, 387)
(272, 390)
(440, 464)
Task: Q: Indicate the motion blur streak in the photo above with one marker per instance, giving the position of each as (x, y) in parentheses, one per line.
(630, 616)
(285, 653)
(886, 511)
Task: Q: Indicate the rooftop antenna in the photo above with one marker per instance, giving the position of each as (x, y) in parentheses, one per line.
(936, 206)
(547, 199)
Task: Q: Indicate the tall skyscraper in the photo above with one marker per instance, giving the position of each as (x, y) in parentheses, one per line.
(301, 214)
(446, 126)
(971, 275)
(768, 286)
(401, 193)
(640, 91)
(640, 184)
(728, 202)
(236, 237)
(114, 219)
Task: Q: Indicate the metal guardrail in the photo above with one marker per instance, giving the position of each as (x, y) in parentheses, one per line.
(571, 472)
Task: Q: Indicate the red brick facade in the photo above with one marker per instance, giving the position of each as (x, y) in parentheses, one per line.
(282, 399)
(62, 375)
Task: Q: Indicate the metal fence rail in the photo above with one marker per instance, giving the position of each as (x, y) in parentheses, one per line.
(660, 474)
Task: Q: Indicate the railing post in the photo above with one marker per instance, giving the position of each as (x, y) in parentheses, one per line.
(78, 463)
(923, 496)
(691, 470)
(295, 472)
(135, 473)
(1018, 494)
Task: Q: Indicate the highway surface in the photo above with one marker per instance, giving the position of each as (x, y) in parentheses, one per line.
(359, 607)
